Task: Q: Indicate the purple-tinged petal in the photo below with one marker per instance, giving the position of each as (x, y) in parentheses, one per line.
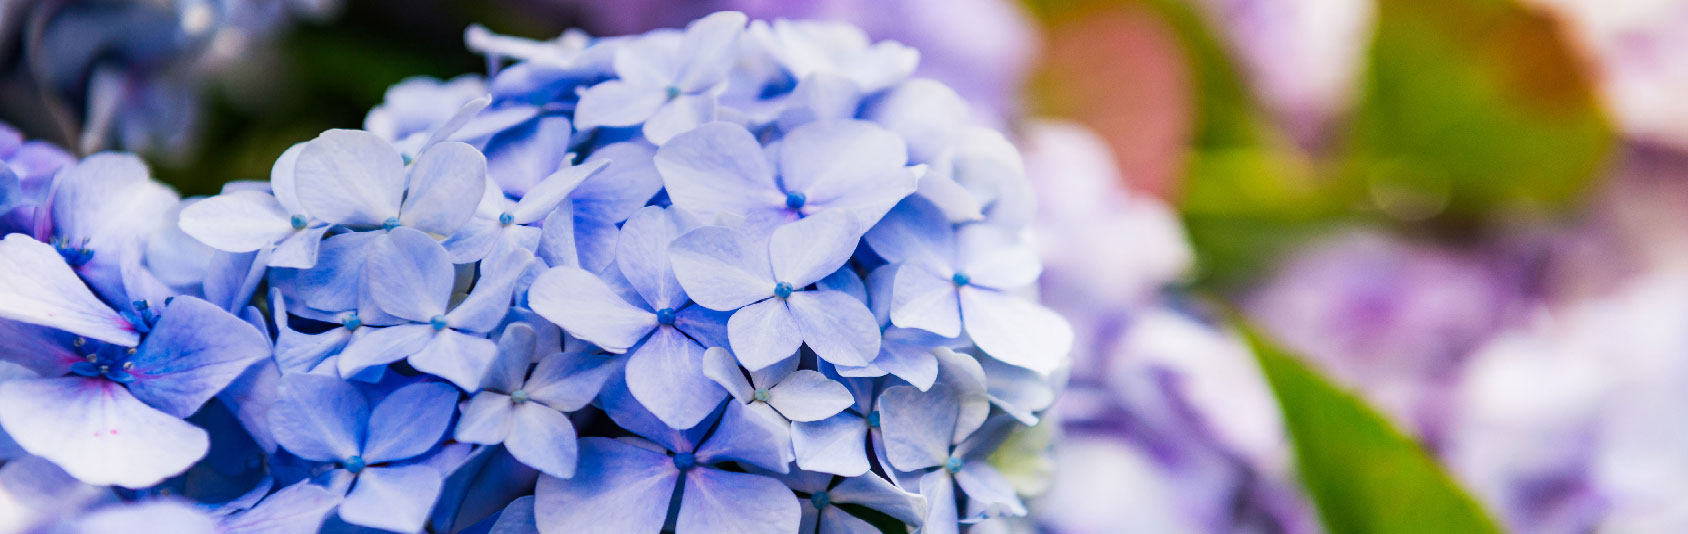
(617, 488)
(299, 249)
(251, 396)
(519, 158)
(489, 302)
(1020, 392)
(296, 509)
(720, 365)
(97, 431)
(1015, 330)
(907, 353)
(393, 498)
(836, 521)
(409, 421)
(109, 200)
(773, 374)
(193, 352)
(723, 501)
(241, 221)
(751, 434)
(836, 445)
(458, 120)
(319, 418)
(680, 115)
(336, 282)
(350, 177)
(915, 232)
(718, 168)
(926, 113)
(586, 307)
(847, 164)
(878, 494)
(920, 299)
(382, 346)
(941, 515)
(445, 187)
(708, 50)
(617, 103)
(708, 327)
(37, 287)
(917, 425)
(805, 251)
(989, 495)
(460, 358)
(820, 96)
(568, 382)
(625, 186)
(486, 419)
(543, 439)
(510, 365)
(839, 328)
(721, 268)
(45, 351)
(993, 258)
(411, 275)
(557, 244)
(666, 374)
(517, 518)
(642, 255)
(965, 378)
(809, 396)
(544, 197)
(763, 333)
(619, 404)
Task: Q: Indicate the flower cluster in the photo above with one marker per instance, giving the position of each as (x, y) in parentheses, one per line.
(739, 277)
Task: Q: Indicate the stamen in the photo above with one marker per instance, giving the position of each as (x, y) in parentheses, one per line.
(684, 461)
(952, 465)
(351, 321)
(673, 92)
(796, 199)
(961, 279)
(761, 394)
(298, 222)
(355, 464)
(783, 290)
(438, 322)
(506, 218)
(519, 396)
(390, 223)
(665, 316)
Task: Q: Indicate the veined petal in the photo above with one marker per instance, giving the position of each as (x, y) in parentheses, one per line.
(109, 200)
(319, 418)
(568, 382)
(917, 425)
(239, 221)
(721, 268)
(587, 308)
(97, 431)
(193, 352)
(848, 163)
(617, 103)
(718, 168)
(666, 374)
(807, 395)
(836, 445)
(915, 232)
(510, 365)
(383, 346)
(616, 488)
(37, 287)
(751, 434)
(724, 501)
(763, 333)
(878, 494)
(839, 328)
(921, 300)
(544, 197)
(708, 49)
(486, 419)
(393, 498)
(409, 421)
(299, 249)
(1015, 330)
(350, 177)
(446, 183)
(460, 358)
(544, 439)
(680, 115)
(720, 365)
(642, 255)
(411, 275)
(45, 351)
(805, 251)
(296, 509)
(993, 258)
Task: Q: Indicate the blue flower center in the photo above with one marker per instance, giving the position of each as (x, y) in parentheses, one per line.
(106, 361)
(665, 316)
(873, 419)
(761, 394)
(355, 464)
(783, 290)
(390, 223)
(351, 321)
(952, 465)
(820, 499)
(75, 254)
(684, 461)
(298, 222)
(438, 322)
(673, 92)
(961, 279)
(796, 199)
(506, 218)
(519, 396)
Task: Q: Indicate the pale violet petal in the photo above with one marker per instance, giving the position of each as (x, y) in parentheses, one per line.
(724, 501)
(240, 221)
(916, 426)
(97, 431)
(839, 328)
(445, 187)
(721, 268)
(37, 287)
(319, 418)
(809, 396)
(924, 301)
(587, 308)
(460, 358)
(409, 421)
(1015, 330)
(544, 439)
(666, 374)
(393, 498)
(834, 445)
(805, 251)
(763, 333)
(718, 168)
(616, 488)
(349, 177)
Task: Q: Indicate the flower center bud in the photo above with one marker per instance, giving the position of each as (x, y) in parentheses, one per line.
(673, 92)
(796, 199)
(961, 279)
(354, 464)
(821, 500)
(952, 465)
(390, 223)
(665, 316)
(519, 396)
(506, 218)
(783, 290)
(351, 321)
(438, 322)
(684, 461)
(873, 419)
(298, 222)
(761, 394)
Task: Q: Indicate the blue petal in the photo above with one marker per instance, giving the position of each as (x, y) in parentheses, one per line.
(678, 116)
(921, 299)
(383, 346)
(460, 358)
(296, 509)
(392, 498)
(486, 419)
(299, 250)
(350, 177)
(413, 275)
(709, 49)
(839, 328)
(718, 168)
(1015, 330)
(194, 352)
(45, 351)
(805, 251)
(619, 404)
(847, 164)
(1020, 392)
(763, 333)
(722, 367)
(409, 421)
(666, 374)
(723, 501)
(109, 201)
(517, 518)
(319, 418)
(878, 494)
(97, 431)
(721, 268)
(836, 445)
(996, 259)
(617, 103)
(510, 365)
(989, 495)
(587, 308)
(915, 232)
(240, 221)
(926, 113)
(37, 287)
(445, 186)
(569, 381)
(623, 187)
(809, 396)
(917, 426)
(544, 197)
(617, 488)
(519, 158)
(751, 434)
(543, 439)
(156, 517)
(489, 302)
(708, 327)
(941, 515)
(642, 255)
(282, 182)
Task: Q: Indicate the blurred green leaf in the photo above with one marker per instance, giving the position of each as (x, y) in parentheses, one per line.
(1364, 474)
(1474, 104)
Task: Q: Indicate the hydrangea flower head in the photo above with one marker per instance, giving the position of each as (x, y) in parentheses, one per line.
(690, 281)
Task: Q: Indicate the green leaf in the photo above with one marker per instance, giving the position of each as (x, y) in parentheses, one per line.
(1475, 105)
(1364, 474)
